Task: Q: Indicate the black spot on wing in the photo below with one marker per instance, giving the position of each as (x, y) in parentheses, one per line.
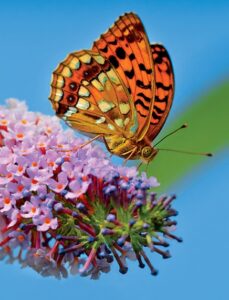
(129, 74)
(139, 27)
(140, 84)
(62, 108)
(132, 56)
(91, 72)
(155, 116)
(140, 102)
(73, 86)
(158, 60)
(141, 114)
(112, 42)
(168, 71)
(113, 61)
(158, 110)
(143, 68)
(120, 53)
(161, 85)
(105, 49)
(165, 99)
(147, 99)
(130, 38)
(71, 98)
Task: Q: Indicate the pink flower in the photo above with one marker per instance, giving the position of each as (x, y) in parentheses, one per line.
(45, 222)
(6, 201)
(6, 155)
(77, 187)
(2, 225)
(13, 216)
(31, 208)
(18, 239)
(72, 211)
(59, 185)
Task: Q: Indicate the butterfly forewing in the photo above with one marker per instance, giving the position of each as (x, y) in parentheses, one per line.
(127, 47)
(89, 95)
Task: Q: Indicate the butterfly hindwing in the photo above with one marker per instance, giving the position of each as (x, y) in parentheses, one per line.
(127, 48)
(164, 91)
(89, 95)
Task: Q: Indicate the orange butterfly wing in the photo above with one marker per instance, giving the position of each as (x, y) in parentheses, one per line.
(127, 48)
(100, 91)
(164, 81)
(89, 96)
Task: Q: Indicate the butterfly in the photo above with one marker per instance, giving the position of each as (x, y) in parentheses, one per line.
(119, 92)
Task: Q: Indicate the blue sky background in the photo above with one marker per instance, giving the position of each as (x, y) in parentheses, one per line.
(34, 37)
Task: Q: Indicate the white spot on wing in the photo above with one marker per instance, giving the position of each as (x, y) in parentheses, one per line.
(100, 120)
(58, 95)
(83, 104)
(83, 92)
(99, 59)
(124, 108)
(74, 63)
(105, 105)
(119, 122)
(111, 127)
(86, 58)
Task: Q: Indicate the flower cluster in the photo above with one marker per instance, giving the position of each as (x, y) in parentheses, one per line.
(66, 208)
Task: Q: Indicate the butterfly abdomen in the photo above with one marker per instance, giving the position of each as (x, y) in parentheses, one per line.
(121, 146)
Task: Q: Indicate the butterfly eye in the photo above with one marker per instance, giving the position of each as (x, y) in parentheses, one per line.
(146, 151)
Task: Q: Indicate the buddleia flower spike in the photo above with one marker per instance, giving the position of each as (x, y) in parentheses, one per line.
(74, 212)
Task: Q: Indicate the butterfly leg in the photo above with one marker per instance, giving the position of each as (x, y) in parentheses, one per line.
(130, 155)
(91, 140)
(83, 145)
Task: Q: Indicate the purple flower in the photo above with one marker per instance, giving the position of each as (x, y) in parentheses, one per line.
(6, 201)
(77, 187)
(31, 209)
(69, 209)
(6, 156)
(2, 225)
(18, 239)
(45, 222)
(13, 217)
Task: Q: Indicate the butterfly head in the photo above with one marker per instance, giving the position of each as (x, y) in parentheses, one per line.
(148, 153)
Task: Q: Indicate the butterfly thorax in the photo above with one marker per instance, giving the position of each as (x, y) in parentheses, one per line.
(130, 148)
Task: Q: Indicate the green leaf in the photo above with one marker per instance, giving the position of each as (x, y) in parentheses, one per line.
(208, 131)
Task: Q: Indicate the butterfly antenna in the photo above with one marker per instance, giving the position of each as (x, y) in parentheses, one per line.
(139, 165)
(187, 152)
(185, 125)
